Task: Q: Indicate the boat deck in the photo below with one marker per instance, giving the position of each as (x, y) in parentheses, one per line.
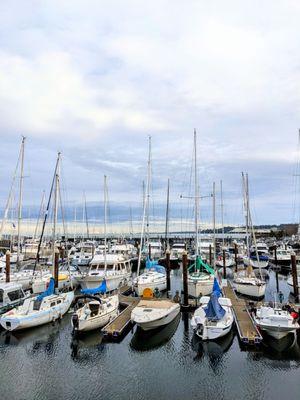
(247, 330)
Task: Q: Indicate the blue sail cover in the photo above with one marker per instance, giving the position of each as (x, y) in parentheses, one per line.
(100, 289)
(48, 292)
(260, 256)
(154, 266)
(214, 311)
(216, 287)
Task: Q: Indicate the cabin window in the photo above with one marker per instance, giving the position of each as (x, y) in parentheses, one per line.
(110, 267)
(15, 295)
(1, 296)
(58, 301)
(52, 304)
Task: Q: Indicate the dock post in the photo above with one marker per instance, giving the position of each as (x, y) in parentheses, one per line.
(185, 279)
(235, 257)
(224, 265)
(56, 259)
(295, 277)
(210, 255)
(7, 266)
(149, 251)
(168, 268)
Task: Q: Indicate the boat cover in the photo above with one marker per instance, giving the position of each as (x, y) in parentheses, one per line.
(48, 292)
(154, 266)
(199, 264)
(100, 289)
(214, 311)
(261, 257)
(216, 287)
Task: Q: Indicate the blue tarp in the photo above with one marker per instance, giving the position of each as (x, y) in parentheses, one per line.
(214, 311)
(101, 289)
(48, 292)
(216, 287)
(154, 266)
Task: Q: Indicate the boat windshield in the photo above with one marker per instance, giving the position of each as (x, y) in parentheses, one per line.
(15, 295)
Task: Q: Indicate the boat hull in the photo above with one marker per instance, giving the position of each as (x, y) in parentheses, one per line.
(112, 282)
(250, 290)
(160, 285)
(157, 323)
(200, 288)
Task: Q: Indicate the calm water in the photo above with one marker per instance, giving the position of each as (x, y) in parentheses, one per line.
(44, 363)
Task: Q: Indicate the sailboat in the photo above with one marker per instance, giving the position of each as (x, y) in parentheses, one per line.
(39, 310)
(95, 311)
(154, 277)
(200, 274)
(246, 282)
(214, 318)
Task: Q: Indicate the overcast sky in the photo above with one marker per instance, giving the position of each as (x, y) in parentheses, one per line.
(94, 78)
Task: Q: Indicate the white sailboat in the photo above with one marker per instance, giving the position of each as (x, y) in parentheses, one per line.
(39, 310)
(152, 314)
(247, 283)
(214, 318)
(95, 313)
(11, 295)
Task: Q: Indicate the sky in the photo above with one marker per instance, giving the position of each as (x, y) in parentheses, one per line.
(93, 79)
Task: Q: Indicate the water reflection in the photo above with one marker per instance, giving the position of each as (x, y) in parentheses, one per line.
(149, 340)
(214, 350)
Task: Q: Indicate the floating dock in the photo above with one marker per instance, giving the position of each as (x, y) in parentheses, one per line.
(248, 333)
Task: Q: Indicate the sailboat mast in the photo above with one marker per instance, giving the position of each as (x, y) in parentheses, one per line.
(20, 200)
(105, 221)
(55, 212)
(167, 216)
(222, 212)
(246, 212)
(41, 211)
(148, 190)
(86, 217)
(214, 222)
(196, 194)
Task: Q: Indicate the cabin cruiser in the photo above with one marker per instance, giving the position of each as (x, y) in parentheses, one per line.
(153, 278)
(152, 314)
(251, 260)
(127, 250)
(11, 295)
(283, 257)
(214, 318)
(200, 279)
(95, 312)
(275, 320)
(113, 267)
(37, 310)
(261, 247)
(229, 260)
(177, 251)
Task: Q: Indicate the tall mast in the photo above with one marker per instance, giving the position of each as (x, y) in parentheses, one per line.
(167, 216)
(105, 221)
(214, 222)
(196, 194)
(148, 189)
(130, 222)
(55, 211)
(20, 199)
(145, 201)
(41, 212)
(222, 212)
(86, 217)
(246, 211)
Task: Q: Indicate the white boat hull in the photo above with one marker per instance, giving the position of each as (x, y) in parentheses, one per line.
(250, 290)
(200, 288)
(112, 282)
(161, 286)
(148, 325)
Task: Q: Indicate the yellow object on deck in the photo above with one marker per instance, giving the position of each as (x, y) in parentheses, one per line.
(147, 293)
(62, 277)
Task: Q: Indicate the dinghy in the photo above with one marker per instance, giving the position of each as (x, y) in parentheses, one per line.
(153, 278)
(152, 314)
(214, 318)
(39, 310)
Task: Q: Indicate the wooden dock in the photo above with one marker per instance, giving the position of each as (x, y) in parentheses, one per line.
(247, 330)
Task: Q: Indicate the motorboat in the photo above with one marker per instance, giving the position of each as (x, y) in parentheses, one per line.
(275, 320)
(152, 314)
(11, 295)
(38, 310)
(113, 267)
(229, 260)
(95, 312)
(153, 278)
(261, 262)
(283, 257)
(214, 318)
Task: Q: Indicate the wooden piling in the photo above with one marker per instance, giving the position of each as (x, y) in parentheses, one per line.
(168, 269)
(295, 277)
(185, 279)
(56, 260)
(150, 251)
(7, 266)
(236, 257)
(224, 265)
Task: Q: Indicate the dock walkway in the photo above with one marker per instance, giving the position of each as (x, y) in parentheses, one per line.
(247, 330)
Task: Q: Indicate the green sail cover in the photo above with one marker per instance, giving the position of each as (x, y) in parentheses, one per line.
(200, 264)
